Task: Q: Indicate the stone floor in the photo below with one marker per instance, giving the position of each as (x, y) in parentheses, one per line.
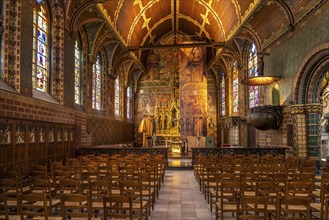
(180, 198)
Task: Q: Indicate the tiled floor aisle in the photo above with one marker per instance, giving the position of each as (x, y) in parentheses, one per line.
(180, 198)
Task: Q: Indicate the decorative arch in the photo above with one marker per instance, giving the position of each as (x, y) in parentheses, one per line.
(309, 75)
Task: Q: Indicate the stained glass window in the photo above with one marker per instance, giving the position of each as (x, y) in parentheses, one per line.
(252, 71)
(77, 73)
(235, 87)
(40, 58)
(223, 94)
(129, 102)
(117, 96)
(97, 83)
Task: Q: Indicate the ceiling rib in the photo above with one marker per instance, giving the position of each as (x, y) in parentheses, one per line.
(151, 47)
(175, 20)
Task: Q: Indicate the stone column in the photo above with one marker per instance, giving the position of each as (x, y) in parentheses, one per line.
(299, 130)
(313, 112)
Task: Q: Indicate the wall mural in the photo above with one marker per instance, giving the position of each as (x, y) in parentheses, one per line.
(193, 92)
(177, 77)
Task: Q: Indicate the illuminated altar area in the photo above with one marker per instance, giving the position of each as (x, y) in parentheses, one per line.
(180, 94)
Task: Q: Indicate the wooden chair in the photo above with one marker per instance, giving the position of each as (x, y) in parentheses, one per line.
(34, 206)
(148, 190)
(134, 189)
(229, 199)
(254, 207)
(216, 193)
(320, 206)
(98, 189)
(75, 206)
(12, 189)
(271, 191)
(43, 186)
(299, 189)
(118, 207)
(69, 186)
(293, 208)
(3, 207)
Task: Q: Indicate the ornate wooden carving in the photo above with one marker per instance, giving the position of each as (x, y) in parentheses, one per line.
(23, 143)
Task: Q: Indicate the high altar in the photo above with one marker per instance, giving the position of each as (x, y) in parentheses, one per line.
(168, 125)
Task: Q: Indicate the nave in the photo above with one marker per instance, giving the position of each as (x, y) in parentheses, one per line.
(180, 198)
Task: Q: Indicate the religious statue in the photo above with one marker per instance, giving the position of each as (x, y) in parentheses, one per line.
(174, 118)
(59, 138)
(65, 135)
(160, 122)
(165, 123)
(42, 135)
(19, 136)
(51, 135)
(32, 135)
(7, 135)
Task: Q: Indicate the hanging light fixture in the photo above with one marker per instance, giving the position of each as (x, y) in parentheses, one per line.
(260, 79)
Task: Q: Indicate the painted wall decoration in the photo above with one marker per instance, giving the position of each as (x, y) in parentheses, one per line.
(193, 92)
(178, 77)
(211, 107)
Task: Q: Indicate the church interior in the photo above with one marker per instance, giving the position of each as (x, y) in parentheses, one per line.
(117, 104)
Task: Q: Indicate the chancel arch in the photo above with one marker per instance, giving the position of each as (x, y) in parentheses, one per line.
(311, 99)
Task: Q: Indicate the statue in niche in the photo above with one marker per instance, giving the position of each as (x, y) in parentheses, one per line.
(71, 135)
(59, 138)
(51, 135)
(65, 135)
(32, 135)
(165, 123)
(19, 136)
(174, 117)
(160, 122)
(42, 135)
(6, 134)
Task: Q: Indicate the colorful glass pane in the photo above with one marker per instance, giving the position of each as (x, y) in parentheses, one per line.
(235, 87)
(252, 71)
(117, 97)
(129, 102)
(40, 67)
(96, 82)
(223, 94)
(77, 61)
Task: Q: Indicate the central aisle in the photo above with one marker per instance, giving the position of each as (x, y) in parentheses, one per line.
(180, 198)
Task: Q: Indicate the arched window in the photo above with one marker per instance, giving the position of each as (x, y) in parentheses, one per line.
(129, 102)
(235, 86)
(252, 71)
(223, 95)
(117, 96)
(77, 74)
(97, 83)
(40, 58)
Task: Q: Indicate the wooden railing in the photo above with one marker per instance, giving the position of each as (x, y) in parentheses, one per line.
(123, 149)
(237, 150)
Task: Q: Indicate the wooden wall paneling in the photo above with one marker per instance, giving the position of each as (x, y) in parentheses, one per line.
(24, 143)
(6, 146)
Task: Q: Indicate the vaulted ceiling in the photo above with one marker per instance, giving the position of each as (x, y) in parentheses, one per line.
(221, 25)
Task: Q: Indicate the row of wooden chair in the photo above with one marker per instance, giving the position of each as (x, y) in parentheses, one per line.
(88, 177)
(73, 206)
(255, 175)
